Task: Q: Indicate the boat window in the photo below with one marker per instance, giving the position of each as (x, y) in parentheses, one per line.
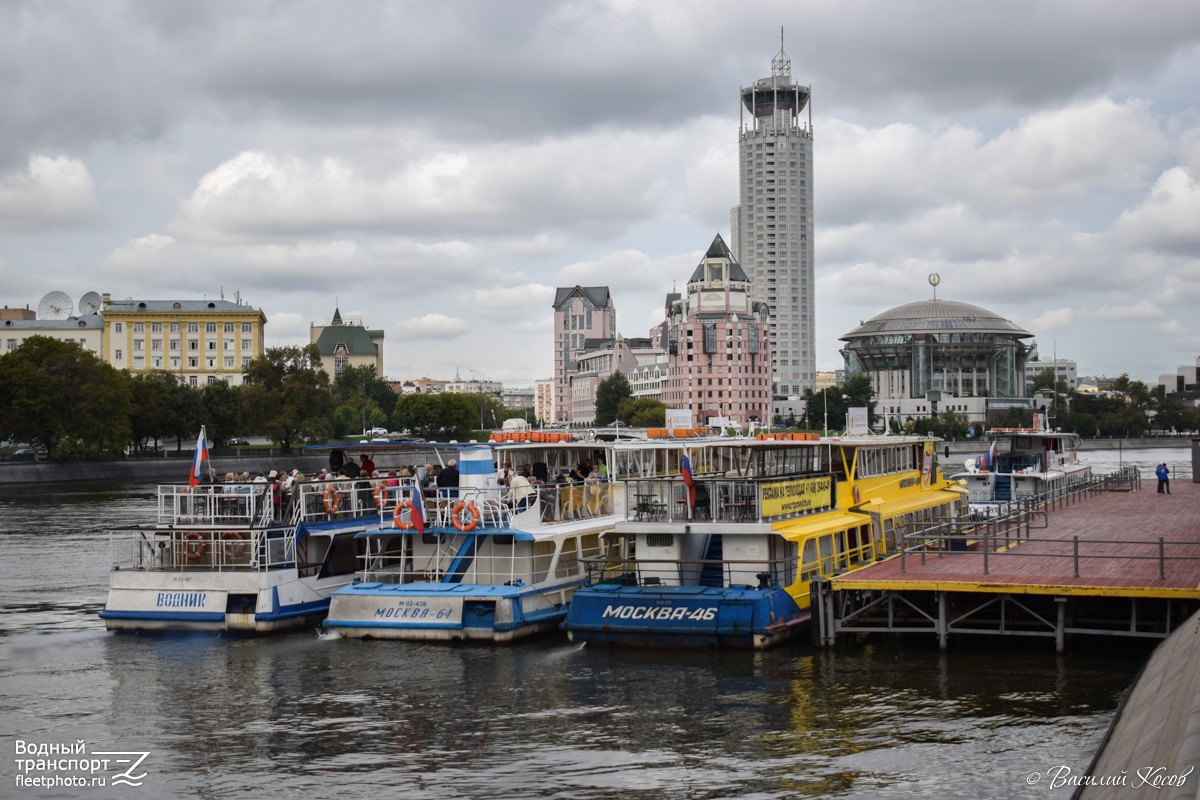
(543, 555)
(568, 559)
(809, 567)
(825, 548)
(590, 545)
(343, 556)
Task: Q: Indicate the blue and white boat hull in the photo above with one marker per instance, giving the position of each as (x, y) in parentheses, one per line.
(446, 612)
(227, 602)
(684, 616)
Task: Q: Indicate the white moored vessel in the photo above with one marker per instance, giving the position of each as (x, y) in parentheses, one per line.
(218, 558)
(479, 561)
(1023, 463)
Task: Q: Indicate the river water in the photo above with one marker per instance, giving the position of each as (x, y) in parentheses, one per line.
(309, 714)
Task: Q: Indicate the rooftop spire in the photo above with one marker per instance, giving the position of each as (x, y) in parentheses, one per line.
(781, 65)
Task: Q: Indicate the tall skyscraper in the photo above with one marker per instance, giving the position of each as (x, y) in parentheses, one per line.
(771, 230)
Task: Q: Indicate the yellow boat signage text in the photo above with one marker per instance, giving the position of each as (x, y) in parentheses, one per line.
(802, 494)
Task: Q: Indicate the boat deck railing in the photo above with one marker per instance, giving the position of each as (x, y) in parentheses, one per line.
(499, 566)
(717, 500)
(232, 505)
(159, 550)
(473, 508)
(653, 571)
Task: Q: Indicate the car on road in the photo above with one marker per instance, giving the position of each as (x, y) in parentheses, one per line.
(377, 432)
(238, 443)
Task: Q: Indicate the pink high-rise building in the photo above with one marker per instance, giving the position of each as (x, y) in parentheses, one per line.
(718, 344)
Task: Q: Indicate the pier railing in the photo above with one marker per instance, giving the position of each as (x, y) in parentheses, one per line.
(995, 530)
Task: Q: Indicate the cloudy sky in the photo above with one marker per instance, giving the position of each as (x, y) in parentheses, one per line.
(437, 169)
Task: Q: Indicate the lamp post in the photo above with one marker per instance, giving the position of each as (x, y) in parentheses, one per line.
(825, 396)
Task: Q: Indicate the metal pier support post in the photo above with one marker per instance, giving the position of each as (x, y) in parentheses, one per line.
(1060, 629)
(942, 626)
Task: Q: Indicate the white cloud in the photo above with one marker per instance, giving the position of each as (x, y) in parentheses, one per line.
(47, 193)
(432, 326)
(1169, 219)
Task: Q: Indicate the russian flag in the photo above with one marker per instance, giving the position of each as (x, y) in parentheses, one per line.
(417, 514)
(685, 469)
(989, 458)
(199, 460)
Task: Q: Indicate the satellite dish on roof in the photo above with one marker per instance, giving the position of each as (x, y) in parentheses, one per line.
(89, 303)
(56, 305)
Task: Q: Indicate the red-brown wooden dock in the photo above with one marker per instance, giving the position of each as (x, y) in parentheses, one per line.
(1115, 563)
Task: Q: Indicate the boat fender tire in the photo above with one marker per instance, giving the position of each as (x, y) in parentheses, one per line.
(465, 509)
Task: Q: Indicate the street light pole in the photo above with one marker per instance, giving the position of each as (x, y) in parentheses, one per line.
(825, 395)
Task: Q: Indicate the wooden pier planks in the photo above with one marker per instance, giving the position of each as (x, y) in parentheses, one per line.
(1111, 527)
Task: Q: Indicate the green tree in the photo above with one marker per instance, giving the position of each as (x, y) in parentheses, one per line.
(164, 408)
(150, 407)
(220, 411)
(1044, 380)
(287, 396)
(439, 416)
(643, 412)
(952, 425)
(368, 396)
(58, 395)
(609, 394)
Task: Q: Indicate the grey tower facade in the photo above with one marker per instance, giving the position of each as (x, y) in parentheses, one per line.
(771, 229)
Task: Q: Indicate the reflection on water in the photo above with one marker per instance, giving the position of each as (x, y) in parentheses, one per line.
(314, 715)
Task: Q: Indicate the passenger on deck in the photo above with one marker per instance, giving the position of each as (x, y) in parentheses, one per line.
(520, 490)
(350, 468)
(368, 466)
(448, 478)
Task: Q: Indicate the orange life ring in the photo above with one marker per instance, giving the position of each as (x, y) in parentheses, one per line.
(379, 494)
(857, 495)
(402, 524)
(195, 545)
(233, 551)
(331, 498)
(468, 509)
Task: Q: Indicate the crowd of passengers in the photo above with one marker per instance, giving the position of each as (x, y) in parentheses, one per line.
(520, 485)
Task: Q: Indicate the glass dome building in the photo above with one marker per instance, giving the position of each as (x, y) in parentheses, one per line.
(935, 349)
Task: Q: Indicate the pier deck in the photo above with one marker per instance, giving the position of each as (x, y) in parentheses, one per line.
(1114, 563)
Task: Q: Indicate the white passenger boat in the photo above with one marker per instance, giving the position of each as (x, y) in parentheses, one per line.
(1021, 464)
(218, 559)
(722, 538)
(480, 561)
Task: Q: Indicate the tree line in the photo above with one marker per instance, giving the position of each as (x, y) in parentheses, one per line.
(57, 396)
